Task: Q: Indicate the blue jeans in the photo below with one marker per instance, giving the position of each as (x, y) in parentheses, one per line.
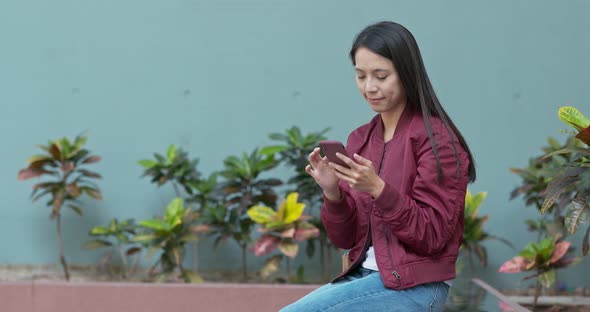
(363, 290)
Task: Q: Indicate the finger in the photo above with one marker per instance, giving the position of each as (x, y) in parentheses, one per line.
(344, 177)
(348, 161)
(341, 169)
(309, 170)
(314, 157)
(361, 160)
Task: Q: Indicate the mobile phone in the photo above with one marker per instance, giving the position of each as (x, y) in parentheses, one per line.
(330, 148)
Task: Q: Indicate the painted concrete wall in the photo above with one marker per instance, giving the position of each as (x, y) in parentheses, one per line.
(216, 77)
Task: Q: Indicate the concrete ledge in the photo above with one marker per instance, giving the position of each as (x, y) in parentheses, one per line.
(548, 300)
(131, 297)
(16, 296)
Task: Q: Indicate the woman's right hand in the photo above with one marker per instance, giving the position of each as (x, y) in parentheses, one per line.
(323, 175)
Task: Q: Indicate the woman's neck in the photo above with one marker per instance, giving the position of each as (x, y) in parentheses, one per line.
(390, 120)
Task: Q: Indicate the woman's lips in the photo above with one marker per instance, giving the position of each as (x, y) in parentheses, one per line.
(374, 101)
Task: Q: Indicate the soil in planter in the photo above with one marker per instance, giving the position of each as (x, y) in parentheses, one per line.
(94, 273)
(556, 308)
(581, 292)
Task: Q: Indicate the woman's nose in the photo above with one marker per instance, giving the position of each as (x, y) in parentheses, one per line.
(370, 86)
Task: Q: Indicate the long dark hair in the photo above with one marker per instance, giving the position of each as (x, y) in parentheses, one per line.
(395, 42)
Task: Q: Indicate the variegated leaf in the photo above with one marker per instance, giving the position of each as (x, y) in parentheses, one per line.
(265, 245)
(514, 265)
(289, 248)
(577, 215)
(559, 251)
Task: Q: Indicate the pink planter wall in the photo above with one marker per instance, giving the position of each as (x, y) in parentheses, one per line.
(132, 297)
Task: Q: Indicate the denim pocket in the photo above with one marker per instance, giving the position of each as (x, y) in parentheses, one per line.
(441, 289)
(431, 296)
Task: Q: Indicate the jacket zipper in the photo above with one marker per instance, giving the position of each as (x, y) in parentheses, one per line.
(393, 270)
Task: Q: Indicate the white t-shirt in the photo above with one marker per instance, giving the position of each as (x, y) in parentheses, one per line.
(371, 264)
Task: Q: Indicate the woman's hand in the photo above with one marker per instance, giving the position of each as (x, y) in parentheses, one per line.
(324, 176)
(361, 176)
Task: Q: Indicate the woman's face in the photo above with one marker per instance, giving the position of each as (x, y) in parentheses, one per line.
(379, 82)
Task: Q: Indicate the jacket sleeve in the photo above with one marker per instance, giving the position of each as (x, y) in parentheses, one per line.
(340, 219)
(428, 217)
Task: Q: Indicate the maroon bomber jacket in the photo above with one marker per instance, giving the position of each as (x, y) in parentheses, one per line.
(416, 224)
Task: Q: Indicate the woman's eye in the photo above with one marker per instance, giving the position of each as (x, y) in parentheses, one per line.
(360, 77)
(382, 78)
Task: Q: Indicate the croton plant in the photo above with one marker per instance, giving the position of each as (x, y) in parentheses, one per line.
(64, 180)
(573, 174)
(282, 229)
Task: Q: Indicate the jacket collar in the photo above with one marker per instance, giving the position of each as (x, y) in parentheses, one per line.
(402, 125)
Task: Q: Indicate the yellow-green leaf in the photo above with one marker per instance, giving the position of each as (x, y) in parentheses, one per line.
(262, 214)
(97, 243)
(472, 203)
(174, 210)
(171, 153)
(155, 224)
(292, 209)
(192, 277)
(35, 158)
(99, 230)
(571, 116)
(147, 163)
(188, 238)
(144, 238)
(547, 279)
(271, 266)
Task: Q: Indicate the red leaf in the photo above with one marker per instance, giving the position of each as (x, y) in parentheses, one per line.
(89, 174)
(133, 250)
(584, 136)
(265, 244)
(58, 201)
(67, 167)
(514, 265)
(29, 173)
(55, 152)
(504, 307)
(92, 159)
(288, 233)
(306, 233)
(73, 189)
(305, 218)
(559, 251)
(202, 228)
(565, 262)
(92, 193)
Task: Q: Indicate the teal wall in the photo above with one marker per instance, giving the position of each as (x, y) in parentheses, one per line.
(215, 77)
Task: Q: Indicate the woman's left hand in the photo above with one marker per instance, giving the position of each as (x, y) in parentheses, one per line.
(361, 176)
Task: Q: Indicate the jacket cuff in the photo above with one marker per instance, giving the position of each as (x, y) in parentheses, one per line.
(390, 202)
(337, 210)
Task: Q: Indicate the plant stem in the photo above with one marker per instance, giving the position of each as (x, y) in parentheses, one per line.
(124, 260)
(196, 259)
(288, 263)
(176, 190)
(329, 249)
(322, 259)
(537, 293)
(471, 265)
(244, 264)
(134, 265)
(62, 259)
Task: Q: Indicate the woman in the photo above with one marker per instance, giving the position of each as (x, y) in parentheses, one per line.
(399, 208)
